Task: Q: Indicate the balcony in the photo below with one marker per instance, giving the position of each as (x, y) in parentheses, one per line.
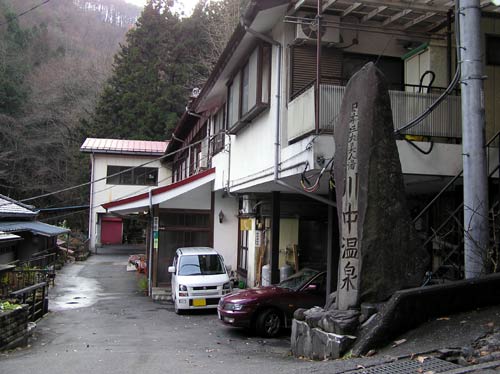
(443, 122)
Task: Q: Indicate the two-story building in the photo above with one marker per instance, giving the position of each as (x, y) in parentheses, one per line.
(119, 169)
(254, 150)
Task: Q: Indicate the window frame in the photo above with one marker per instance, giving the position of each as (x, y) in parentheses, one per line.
(243, 118)
(130, 177)
(219, 131)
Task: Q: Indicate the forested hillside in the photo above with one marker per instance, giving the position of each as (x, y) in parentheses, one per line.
(53, 63)
(70, 69)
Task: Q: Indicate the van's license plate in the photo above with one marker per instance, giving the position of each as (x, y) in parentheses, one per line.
(199, 302)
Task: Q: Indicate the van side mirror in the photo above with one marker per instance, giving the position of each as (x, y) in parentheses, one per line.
(171, 269)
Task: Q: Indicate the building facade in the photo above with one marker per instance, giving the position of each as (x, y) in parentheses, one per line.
(264, 126)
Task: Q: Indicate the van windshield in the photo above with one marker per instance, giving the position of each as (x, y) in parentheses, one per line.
(200, 265)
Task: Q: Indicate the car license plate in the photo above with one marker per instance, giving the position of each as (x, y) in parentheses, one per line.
(199, 302)
(218, 314)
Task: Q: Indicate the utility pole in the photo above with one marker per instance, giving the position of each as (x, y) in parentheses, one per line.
(475, 173)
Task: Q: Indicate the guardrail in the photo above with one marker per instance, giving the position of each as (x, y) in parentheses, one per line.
(35, 297)
(445, 121)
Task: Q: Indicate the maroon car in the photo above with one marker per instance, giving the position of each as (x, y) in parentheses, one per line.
(268, 309)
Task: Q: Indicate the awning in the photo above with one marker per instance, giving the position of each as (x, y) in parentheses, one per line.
(179, 195)
(34, 227)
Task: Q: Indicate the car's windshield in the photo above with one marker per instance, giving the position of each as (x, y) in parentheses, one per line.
(200, 265)
(297, 280)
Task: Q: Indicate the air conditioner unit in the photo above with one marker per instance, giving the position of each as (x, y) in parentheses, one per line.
(307, 29)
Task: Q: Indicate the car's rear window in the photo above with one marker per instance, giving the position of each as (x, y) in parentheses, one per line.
(200, 265)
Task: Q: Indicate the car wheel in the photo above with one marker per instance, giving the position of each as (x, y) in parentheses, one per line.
(268, 323)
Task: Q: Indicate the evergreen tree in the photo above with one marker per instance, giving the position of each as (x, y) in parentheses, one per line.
(147, 91)
(13, 67)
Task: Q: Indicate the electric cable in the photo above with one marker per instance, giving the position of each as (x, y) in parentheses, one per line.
(448, 90)
(23, 13)
(112, 175)
(139, 191)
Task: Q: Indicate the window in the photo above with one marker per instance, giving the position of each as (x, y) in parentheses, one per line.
(243, 251)
(245, 88)
(218, 132)
(248, 93)
(200, 265)
(245, 227)
(303, 67)
(138, 176)
(393, 68)
(8, 249)
(492, 50)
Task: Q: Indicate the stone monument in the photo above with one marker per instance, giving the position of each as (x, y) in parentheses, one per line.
(380, 252)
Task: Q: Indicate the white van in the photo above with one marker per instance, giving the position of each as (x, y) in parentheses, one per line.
(199, 279)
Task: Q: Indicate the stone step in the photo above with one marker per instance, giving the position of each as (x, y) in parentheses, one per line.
(161, 294)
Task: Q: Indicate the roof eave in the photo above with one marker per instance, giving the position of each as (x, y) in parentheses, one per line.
(249, 16)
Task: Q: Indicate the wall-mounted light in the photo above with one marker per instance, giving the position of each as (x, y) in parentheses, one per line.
(221, 216)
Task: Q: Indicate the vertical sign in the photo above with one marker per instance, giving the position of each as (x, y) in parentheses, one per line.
(349, 253)
(155, 232)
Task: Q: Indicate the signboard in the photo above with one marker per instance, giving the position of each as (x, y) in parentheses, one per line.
(155, 239)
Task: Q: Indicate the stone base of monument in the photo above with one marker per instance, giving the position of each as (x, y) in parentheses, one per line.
(320, 334)
(316, 344)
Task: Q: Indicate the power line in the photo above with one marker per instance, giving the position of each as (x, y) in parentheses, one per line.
(23, 13)
(168, 176)
(112, 175)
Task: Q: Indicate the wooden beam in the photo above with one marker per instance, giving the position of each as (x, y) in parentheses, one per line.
(352, 8)
(396, 17)
(436, 26)
(373, 13)
(401, 5)
(327, 4)
(419, 19)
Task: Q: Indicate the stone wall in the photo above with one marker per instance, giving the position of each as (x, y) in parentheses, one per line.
(13, 328)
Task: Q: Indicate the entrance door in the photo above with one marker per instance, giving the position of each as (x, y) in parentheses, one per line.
(111, 230)
(180, 228)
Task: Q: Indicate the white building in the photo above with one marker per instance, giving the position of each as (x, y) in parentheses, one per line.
(120, 169)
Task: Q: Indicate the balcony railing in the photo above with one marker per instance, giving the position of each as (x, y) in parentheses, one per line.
(444, 121)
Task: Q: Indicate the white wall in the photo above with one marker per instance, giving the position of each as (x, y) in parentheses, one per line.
(444, 159)
(104, 193)
(226, 233)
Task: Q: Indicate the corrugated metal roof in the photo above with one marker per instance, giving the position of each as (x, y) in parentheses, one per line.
(123, 146)
(35, 227)
(13, 208)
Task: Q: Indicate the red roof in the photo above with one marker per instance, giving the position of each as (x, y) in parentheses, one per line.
(123, 146)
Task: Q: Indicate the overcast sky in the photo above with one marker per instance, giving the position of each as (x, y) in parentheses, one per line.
(187, 5)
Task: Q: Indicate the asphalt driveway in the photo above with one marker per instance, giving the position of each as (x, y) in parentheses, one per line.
(100, 323)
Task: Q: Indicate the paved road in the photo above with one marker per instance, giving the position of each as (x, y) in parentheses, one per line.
(100, 323)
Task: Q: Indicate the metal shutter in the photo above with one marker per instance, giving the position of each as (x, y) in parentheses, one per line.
(303, 67)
